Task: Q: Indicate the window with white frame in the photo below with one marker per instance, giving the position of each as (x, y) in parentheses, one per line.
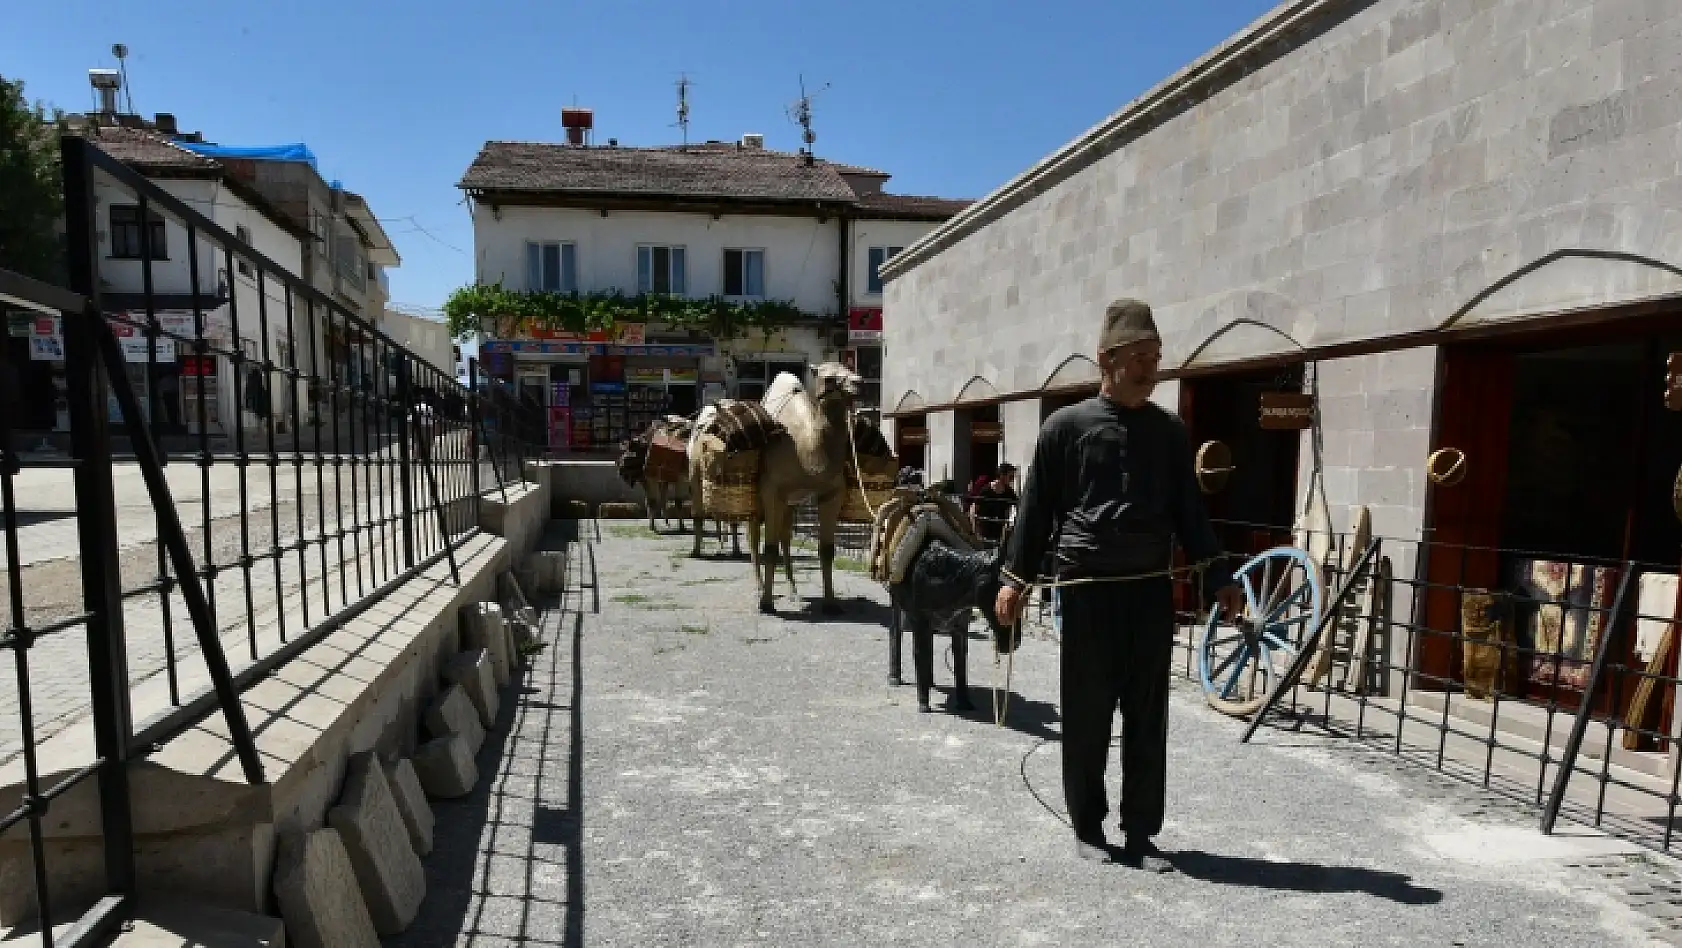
(744, 273)
(660, 270)
(876, 257)
(552, 267)
(754, 375)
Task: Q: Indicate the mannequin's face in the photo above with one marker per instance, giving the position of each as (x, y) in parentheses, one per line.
(1130, 371)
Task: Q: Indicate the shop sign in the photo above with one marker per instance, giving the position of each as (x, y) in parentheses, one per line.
(137, 347)
(986, 432)
(198, 365)
(864, 324)
(915, 436)
(629, 334)
(1287, 411)
(20, 325)
(46, 348)
(645, 376)
(681, 376)
(1673, 383)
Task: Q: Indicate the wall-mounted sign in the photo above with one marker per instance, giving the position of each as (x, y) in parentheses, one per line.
(642, 376)
(986, 432)
(535, 347)
(913, 436)
(1287, 411)
(1673, 383)
(864, 324)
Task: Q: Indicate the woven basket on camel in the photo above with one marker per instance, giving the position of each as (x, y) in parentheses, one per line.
(873, 481)
(730, 486)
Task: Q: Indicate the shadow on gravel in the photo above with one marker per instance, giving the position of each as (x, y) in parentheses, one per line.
(1023, 715)
(1302, 877)
(494, 872)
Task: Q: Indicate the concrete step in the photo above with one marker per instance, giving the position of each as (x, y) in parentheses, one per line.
(1531, 722)
(186, 925)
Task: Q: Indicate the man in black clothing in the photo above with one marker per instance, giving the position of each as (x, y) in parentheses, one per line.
(1112, 476)
(990, 511)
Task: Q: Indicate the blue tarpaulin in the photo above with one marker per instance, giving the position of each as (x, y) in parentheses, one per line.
(295, 152)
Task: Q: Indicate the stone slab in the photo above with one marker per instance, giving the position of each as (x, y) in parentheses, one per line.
(452, 712)
(411, 803)
(472, 671)
(319, 897)
(481, 627)
(178, 924)
(377, 841)
(445, 768)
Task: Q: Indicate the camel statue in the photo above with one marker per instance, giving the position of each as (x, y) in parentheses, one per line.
(808, 463)
(702, 424)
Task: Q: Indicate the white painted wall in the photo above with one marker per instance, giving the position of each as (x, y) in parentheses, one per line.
(802, 254)
(425, 337)
(873, 233)
(174, 275)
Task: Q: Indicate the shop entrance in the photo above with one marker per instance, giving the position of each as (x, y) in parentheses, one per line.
(1570, 459)
(977, 433)
(911, 440)
(1256, 508)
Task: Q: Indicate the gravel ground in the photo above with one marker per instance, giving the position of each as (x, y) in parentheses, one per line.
(679, 770)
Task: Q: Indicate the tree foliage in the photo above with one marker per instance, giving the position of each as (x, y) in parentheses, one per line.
(502, 312)
(31, 192)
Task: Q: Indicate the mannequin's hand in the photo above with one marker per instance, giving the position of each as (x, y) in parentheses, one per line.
(1008, 605)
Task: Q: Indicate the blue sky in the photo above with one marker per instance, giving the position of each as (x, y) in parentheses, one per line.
(952, 98)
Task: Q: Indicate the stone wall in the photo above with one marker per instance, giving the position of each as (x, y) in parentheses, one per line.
(1410, 165)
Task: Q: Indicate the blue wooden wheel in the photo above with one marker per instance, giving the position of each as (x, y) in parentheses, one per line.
(1239, 658)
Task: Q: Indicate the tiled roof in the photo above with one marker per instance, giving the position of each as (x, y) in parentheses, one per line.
(148, 151)
(701, 171)
(910, 205)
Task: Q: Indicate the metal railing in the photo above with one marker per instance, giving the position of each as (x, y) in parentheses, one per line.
(291, 464)
(1517, 670)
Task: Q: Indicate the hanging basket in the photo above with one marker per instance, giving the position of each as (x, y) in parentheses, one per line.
(730, 487)
(868, 488)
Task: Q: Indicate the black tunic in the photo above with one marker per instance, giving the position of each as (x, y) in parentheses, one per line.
(1120, 483)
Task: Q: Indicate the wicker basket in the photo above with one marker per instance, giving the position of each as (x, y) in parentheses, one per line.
(730, 487)
(872, 482)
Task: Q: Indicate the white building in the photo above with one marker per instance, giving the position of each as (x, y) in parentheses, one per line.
(733, 221)
(275, 201)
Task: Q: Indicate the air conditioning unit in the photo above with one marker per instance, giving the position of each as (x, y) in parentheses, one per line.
(753, 140)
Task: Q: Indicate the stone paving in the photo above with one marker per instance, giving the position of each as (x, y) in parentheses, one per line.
(679, 770)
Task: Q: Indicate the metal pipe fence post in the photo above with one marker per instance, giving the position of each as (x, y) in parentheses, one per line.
(96, 524)
(405, 469)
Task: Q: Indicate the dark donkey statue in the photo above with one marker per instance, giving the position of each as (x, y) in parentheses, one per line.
(939, 591)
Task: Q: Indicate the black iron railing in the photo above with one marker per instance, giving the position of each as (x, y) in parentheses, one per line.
(253, 462)
(1517, 670)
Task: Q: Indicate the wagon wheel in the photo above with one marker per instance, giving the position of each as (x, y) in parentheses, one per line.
(1238, 663)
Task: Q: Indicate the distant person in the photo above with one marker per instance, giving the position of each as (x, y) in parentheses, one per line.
(994, 503)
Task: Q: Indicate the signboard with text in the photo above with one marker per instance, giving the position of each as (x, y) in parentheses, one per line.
(864, 324)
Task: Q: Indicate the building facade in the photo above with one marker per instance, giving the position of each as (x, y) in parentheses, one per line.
(1457, 225)
(272, 199)
(734, 222)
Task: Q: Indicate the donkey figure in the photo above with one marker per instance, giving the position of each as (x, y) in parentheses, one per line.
(939, 591)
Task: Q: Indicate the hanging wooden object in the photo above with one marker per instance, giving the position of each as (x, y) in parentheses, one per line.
(1214, 466)
(1673, 382)
(1446, 467)
(1287, 411)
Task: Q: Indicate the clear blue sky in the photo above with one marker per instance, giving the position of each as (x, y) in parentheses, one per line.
(952, 98)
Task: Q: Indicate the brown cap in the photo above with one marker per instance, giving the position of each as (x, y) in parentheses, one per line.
(1127, 321)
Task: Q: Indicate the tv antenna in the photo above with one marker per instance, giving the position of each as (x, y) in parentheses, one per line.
(801, 114)
(683, 84)
(120, 51)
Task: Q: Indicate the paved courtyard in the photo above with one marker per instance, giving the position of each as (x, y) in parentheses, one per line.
(679, 770)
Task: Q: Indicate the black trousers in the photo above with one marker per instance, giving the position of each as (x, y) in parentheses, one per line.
(1118, 642)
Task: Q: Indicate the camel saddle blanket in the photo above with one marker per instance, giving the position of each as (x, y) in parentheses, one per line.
(668, 456)
(743, 426)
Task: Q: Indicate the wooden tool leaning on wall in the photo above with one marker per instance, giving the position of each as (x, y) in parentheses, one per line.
(1637, 715)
